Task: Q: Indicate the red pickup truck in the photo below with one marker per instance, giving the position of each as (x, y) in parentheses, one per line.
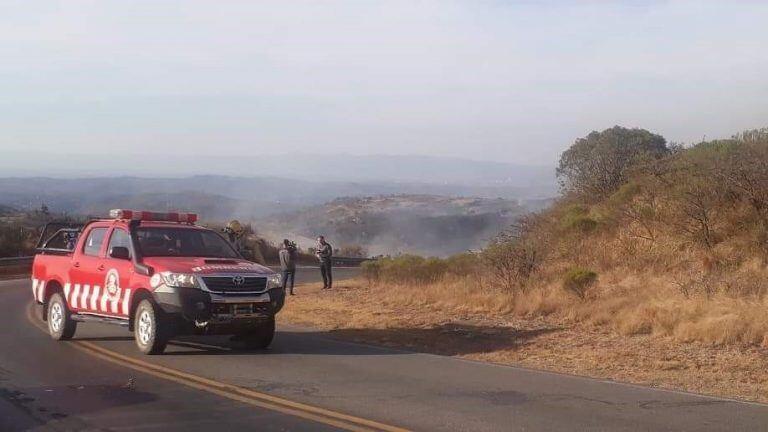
(158, 274)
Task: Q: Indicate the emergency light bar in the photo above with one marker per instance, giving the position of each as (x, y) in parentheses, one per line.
(153, 216)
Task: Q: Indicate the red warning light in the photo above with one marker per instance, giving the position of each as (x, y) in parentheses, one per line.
(142, 215)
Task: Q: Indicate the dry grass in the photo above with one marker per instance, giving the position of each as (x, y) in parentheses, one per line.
(653, 336)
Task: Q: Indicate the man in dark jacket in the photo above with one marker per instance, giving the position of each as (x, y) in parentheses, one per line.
(324, 252)
(288, 264)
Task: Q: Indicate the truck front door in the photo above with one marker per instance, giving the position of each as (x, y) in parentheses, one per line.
(87, 271)
(119, 272)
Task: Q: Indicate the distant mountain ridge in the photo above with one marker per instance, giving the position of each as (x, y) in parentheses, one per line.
(315, 168)
(220, 197)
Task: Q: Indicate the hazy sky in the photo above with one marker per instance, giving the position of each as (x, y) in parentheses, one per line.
(507, 81)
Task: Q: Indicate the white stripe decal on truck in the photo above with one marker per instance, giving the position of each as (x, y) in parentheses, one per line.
(67, 287)
(34, 288)
(84, 297)
(75, 295)
(103, 306)
(126, 301)
(40, 291)
(95, 297)
(114, 302)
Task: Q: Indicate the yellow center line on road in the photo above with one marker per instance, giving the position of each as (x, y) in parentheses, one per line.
(240, 394)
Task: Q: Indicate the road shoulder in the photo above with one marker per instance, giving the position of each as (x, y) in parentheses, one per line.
(356, 312)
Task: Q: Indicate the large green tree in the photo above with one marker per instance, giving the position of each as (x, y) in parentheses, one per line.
(598, 164)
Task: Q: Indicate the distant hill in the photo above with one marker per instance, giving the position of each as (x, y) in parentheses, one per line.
(7, 210)
(217, 197)
(453, 174)
(391, 224)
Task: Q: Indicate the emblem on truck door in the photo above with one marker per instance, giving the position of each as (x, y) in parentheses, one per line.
(112, 284)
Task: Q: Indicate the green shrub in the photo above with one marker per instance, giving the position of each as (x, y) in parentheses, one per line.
(625, 193)
(371, 270)
(431, 270)
(412, 268)
(577, 218)
(401, 268)
(578, 280)
(417, 269)
(512, 262)
(583, 224)
(463, 264)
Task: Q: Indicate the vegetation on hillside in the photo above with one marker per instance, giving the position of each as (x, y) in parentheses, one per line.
(404, 223)
(647, 238)
(20, 231)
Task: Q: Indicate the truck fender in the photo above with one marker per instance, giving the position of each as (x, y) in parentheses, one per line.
(49, 288)
(138, 296)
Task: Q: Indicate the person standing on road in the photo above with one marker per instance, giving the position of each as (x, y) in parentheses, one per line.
(324, 252)
(288, 264)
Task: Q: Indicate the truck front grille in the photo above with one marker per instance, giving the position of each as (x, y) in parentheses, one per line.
(232, 284)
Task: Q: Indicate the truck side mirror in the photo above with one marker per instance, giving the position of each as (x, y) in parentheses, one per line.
(119, 252)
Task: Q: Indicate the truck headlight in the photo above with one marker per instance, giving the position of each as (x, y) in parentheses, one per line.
(180, 280)
(274, 281)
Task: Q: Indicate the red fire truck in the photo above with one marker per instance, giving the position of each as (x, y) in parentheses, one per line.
(158, 274)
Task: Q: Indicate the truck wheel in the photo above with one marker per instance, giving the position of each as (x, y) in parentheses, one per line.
(60, 323)
(149, 331)
(260, 337)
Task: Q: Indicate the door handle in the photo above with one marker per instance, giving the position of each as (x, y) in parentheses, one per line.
(77, 264)
(100, 267)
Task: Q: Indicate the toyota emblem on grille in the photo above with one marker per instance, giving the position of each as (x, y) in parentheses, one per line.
(238, 280)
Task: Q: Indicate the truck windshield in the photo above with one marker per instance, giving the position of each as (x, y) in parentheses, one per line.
(183, 242)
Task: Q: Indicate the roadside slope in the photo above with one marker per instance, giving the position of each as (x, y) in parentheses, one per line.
(473, 323)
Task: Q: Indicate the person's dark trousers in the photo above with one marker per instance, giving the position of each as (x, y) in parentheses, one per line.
(326, 269)
(286, 275)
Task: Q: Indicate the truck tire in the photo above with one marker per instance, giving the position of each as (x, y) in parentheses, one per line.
(150, 332)
(61, 326)
(260, 337)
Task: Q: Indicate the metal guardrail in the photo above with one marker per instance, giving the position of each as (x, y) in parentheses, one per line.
(14, 261)
(347, 261)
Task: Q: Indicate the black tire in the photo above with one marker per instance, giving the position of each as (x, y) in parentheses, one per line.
(260, 337)
(61, 326)
(149, 329)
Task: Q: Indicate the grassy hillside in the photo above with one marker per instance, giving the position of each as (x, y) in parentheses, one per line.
(647, 239)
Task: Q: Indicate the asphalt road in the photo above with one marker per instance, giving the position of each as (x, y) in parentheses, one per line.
(308, 381)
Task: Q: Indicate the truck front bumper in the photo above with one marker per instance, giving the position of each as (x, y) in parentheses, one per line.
(198, 306)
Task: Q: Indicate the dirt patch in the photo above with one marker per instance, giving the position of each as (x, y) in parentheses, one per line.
(357, 312)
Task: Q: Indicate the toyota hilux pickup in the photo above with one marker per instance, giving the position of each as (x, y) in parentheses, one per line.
(159, 275)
